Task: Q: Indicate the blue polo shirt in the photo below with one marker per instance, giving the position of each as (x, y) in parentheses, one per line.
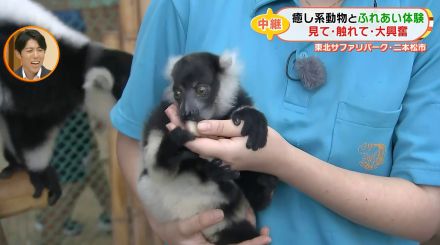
(377, 113)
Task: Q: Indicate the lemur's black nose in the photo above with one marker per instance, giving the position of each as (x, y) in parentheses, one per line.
(190, 115)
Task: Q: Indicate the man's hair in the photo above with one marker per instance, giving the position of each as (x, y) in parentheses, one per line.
(25, 36)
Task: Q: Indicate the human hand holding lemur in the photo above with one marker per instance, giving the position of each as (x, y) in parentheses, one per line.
(230, 145)
(189, 231)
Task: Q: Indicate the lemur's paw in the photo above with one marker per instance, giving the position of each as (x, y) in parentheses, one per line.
(217, 171)
(54, 195)
(53, 185)
(37, 192)
(254, 126)
(46, 178)
(181, 136)
(7, 172)
(37, 182)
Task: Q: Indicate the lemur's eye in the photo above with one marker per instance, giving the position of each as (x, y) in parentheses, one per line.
(202, 90)
(177, 94)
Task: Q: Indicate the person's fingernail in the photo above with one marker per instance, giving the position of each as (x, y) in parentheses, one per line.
(203, 126)
(167, 112)
(218, 214)
(169, 126)
(269, 240)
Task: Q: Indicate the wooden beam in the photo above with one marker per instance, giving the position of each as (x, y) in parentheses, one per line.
(16, 195)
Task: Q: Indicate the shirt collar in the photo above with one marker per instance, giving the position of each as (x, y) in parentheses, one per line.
(38, 76)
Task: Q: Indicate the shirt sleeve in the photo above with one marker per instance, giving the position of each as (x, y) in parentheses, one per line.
(416, 154)
(162, 35)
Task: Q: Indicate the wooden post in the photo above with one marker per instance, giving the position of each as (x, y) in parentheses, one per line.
(111, 39)
(142, 232)
(120, 218)
(129, 23)
(131, 13)
(143, 8)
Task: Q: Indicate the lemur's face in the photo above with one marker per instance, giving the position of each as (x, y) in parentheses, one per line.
(195, 87)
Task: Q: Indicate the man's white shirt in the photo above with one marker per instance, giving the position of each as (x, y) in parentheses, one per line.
(38, 76)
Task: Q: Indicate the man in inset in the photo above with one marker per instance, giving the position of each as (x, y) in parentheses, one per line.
(30, 48)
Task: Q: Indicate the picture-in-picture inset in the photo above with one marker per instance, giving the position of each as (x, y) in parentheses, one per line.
(31, 54)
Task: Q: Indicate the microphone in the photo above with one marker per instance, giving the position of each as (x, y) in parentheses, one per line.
(311, 72)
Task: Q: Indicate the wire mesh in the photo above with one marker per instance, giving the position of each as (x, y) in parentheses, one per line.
(82, 215)
(100, 16)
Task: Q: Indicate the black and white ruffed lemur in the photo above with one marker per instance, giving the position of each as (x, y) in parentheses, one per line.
(87, 74)
(176, 183)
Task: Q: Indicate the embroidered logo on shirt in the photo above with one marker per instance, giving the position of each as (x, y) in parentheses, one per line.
(372, 155)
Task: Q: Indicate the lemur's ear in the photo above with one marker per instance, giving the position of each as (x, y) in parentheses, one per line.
(168, 93)
(228, 59)
(170, 65)
(230, 64)
(98, 78)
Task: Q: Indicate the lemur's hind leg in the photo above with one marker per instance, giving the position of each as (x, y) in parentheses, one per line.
(217, 171)
(41, 174)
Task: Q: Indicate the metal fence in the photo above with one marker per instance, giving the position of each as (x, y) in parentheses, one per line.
(99, 16)
(82, 215)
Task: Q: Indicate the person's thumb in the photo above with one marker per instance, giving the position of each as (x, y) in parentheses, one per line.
(222, 128)
(200, 221)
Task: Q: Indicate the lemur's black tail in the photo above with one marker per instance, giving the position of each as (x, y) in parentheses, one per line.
(237, 232)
